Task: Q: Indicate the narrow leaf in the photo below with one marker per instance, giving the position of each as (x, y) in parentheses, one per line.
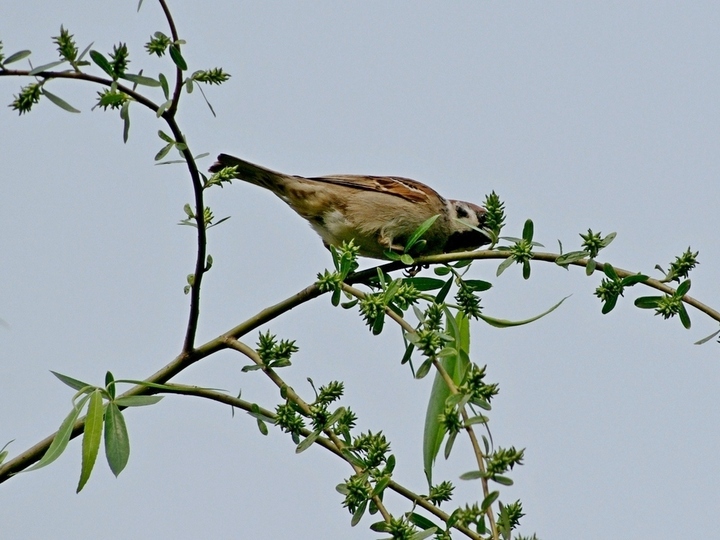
(420, 521)
(421, 535)
(442, 294)
(164, 151)
(62, 437)
(125, 115)
(141, 79)
(610, 271)
(110, 384)
(477, 285)
(165, 86)
(528, 230)
(647, 302)
(425, 283)
(487, 501)
(59, 102)
(85, 51)
(75, 384)
(117, 443)
(102, 62)
(504, 323)
(471, 475)
(504, 265)
(307, 442)
(706, 339)
(137, 401)
(17, 56)
(570, 257)
(609, 304)
(177, 57)
(684, 317)
(91, 437)
(503, 480)
(420, 231)
(683, 288)
(632, 280)
(357, 516)
(45, 67)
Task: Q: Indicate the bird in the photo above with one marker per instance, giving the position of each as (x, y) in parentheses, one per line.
(379, 213)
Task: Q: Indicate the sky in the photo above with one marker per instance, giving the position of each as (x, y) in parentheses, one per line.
(580, 115)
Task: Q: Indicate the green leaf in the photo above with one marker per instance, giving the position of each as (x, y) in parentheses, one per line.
(102, 62)
(504, 323)
(684, 317)
(504, 480)
(137, 401)
(164, 151)
(590, 267)
(75, 384)
(110, 384)
(477, 285)
(3, 452)
(629, 281)
(487, 501)
(425, 283)
(479, 419)
(164, 107)
(17, 57)
(424, 369)
(407, 259)
(706, 339)
(177, 57)
(45, 67)
(117, 443)
(165, 86)
(441, 270)
(62, 437)
(59, 102)
(307, 442)
(647, 302)
(125, 115)
(471, 475)
(357, 516)
(82, 54)
(683, 288)
(610, 272)
(609, 304)
(504, 265)
(570, 257)
(378, 324)
(442, 294)
(528, 230)
(449, 445)
(420, 521)
(526, 269)
(609, 238)
(421, 535)
(380, 486)
(91, 437)
(141, 79)
(420, 231)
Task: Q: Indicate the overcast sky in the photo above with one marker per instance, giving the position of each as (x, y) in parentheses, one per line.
(601, 115)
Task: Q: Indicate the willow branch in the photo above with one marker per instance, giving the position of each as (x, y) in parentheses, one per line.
(304, 406)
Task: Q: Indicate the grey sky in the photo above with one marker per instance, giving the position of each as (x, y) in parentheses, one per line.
(578, 114)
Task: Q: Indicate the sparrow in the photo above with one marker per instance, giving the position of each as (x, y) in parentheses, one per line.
(379, 213)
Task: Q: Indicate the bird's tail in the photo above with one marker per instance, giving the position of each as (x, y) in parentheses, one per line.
(249, 172)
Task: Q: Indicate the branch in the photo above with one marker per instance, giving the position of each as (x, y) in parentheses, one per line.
(47, 75)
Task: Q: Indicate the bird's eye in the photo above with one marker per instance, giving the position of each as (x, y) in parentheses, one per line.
(461, 212)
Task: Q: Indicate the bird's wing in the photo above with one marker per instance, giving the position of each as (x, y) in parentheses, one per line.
(405, 188)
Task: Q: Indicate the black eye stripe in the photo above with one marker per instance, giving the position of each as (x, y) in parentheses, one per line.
(461, 212)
